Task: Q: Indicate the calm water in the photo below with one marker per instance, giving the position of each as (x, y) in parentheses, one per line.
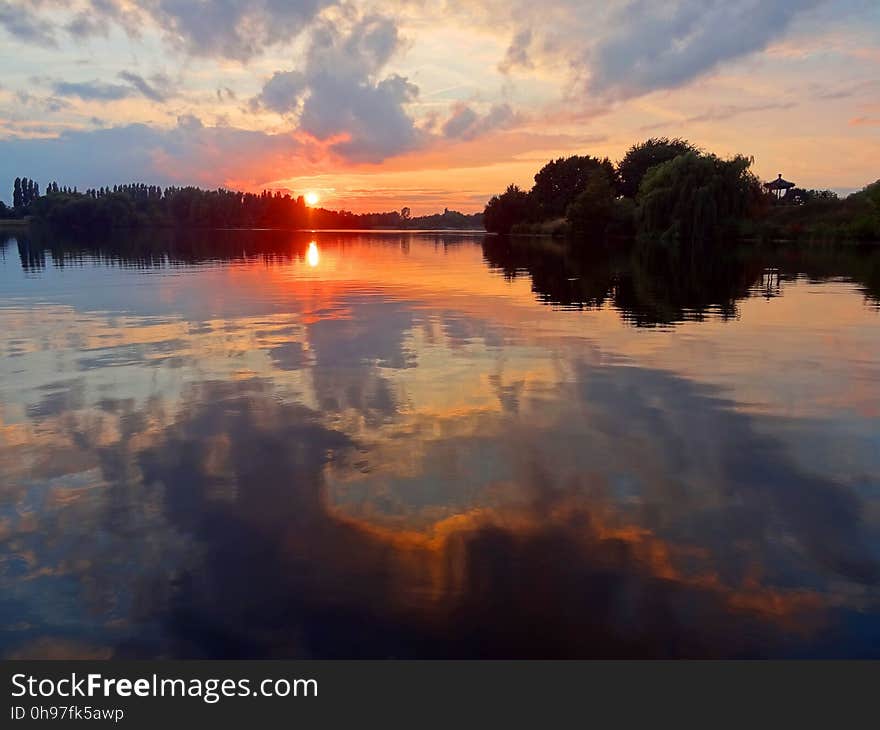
(407, 445)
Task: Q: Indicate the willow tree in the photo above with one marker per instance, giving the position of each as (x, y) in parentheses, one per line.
(640, 158)
(695, 198)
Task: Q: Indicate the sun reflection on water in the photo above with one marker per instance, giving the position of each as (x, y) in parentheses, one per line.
(313, 256)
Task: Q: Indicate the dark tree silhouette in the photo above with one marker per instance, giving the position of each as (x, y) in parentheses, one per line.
(505, 210)
(17, 200)
(643, 156)
(592, 210)
(560, 181)
(139, 204)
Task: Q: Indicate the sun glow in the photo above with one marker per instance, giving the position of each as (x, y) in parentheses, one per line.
(313, 256)
(312, 198)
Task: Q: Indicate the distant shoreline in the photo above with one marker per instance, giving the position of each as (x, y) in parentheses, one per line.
(24, 223)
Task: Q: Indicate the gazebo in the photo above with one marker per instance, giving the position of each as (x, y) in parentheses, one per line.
(779, 186)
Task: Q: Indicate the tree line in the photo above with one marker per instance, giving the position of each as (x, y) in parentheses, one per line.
(142, 205)
(668, 191)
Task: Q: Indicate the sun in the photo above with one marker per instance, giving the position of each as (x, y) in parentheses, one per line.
(312, 198)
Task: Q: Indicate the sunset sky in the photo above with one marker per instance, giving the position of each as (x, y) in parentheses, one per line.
(374, 106)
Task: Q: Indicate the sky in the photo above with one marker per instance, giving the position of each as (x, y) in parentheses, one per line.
(379, 105)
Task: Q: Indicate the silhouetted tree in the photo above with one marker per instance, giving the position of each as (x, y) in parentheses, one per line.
(139, 204)
(799, 196)
(592, 210)
(642, 157)
(17, 199)
(560, 181)
(505, 210)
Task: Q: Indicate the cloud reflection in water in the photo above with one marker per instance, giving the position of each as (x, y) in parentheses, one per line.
(365, 464)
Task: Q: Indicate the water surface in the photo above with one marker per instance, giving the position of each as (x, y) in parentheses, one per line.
(265, 444)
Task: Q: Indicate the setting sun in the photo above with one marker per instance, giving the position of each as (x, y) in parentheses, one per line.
(312, 198)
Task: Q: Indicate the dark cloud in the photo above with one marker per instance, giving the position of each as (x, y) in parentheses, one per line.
(462, 118)
(339, 92)
(650, 46)
(465, 123)
(98, 15)
(92, 90)
(87, 24)
(633, 47)
(838, 91)
(157, 89)
(50, 104)
(282, 92)
(371, 116)
(726, 111)
(721, 113)
(517, 52)
(238, 29)
(23, 23)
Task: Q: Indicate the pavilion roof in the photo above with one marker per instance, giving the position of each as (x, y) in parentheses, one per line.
(779, 184)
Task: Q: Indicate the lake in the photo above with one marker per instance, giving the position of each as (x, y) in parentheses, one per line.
(364, 444)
